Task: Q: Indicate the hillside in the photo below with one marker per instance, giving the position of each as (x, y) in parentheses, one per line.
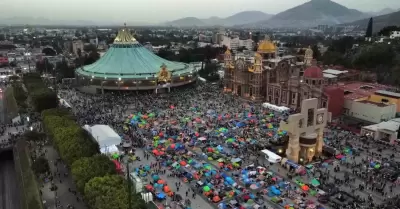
(382, 12)
(380, 21)
(186, 22)
(313, 13)
(236, 19)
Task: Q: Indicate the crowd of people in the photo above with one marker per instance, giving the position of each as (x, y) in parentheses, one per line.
(113, 108)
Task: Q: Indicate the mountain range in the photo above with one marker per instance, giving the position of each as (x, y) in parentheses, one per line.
(240, 18)
(384, 11)
(380, 22)
(313, 13)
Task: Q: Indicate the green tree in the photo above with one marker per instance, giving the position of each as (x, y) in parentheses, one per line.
(105, 187)
(210, 72)
(84, 169)
(64, 70)
(69, 138)
(369, 30)
(44, 66)
(316, 52)
(40, 166)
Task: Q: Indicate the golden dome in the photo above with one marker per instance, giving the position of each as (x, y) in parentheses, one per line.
(227, 51)
(266, 46)
(124, 36)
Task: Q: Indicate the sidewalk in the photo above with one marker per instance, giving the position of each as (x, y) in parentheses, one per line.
(62, 182)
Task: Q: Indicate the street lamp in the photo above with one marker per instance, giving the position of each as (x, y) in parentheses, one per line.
(31, 128)
(27, 119)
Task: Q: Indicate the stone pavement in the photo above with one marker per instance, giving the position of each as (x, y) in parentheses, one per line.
(62, 182)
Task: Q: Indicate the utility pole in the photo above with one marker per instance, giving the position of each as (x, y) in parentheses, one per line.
(128, 176)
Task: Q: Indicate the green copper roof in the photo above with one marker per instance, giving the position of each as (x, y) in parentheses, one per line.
(127, 58)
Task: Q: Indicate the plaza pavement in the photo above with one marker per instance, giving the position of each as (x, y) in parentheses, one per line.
(62, 182)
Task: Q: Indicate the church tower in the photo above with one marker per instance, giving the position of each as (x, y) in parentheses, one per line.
(267, 49)
(308, 57)
(256, 91)
(228, 71)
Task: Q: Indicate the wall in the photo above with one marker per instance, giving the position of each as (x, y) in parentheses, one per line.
(370, 112)
(378, 98)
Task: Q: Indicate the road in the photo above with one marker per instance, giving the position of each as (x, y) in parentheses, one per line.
(9, 192)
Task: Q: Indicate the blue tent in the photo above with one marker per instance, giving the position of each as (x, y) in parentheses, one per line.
(240, 124)
(161, 195)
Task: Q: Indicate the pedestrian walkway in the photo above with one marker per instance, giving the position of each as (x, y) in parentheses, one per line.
(63, 181)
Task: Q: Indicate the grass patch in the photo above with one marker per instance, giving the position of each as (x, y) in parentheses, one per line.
(10, 104)
(30, 196)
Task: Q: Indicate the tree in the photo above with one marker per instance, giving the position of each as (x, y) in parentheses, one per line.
(110, 192)
(388, 29)
(40, 166)
(111, 188)
(44, 66)
(65, 70)
(49, 51)
(210, 72)
(316, 52)
(368, 32)
(87, 168)
(34, 136)
(69, 138)
(92, 57)
(44, 99)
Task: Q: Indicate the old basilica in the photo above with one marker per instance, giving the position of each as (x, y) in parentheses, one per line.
(279, 80)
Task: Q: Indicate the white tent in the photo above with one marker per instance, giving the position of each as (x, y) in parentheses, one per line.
(275, 108)
(104, 135)
(109, 150)
(271, 156)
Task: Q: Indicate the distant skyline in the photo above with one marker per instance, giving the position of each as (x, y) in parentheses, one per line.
(157, 11)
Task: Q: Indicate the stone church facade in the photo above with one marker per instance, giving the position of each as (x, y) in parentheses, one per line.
(265, 77)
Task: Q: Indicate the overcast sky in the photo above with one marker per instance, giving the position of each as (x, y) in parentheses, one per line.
(153, 11)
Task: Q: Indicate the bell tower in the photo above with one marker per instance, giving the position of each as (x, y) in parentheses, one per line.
(228, 71)
(258, 78)
(308, 57)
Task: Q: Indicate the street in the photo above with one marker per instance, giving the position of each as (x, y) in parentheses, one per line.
(9, 198)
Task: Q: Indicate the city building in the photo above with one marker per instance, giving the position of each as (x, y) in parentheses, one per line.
(279, 80)
(127, 65)
(386, 97)
(387, 131)
(306, 131)
(361, 101)
(76, 46)
(394, 34)
(235, 43)
(367, 110)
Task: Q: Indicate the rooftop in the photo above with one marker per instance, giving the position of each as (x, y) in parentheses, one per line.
(358, 90)
(326, 75)
(373, 103)
(335, 72)
(127, 58)
(388, 93)
(391, 125)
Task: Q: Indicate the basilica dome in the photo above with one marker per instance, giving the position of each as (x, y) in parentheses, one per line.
(266, 46)
(313, 72)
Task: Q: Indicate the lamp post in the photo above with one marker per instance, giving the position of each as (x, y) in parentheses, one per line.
(128, 176)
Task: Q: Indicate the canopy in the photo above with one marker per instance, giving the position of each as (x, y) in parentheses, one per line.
(275, 108)
(104, 135)
(315, 182)
(109, 150)
(271, 156)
